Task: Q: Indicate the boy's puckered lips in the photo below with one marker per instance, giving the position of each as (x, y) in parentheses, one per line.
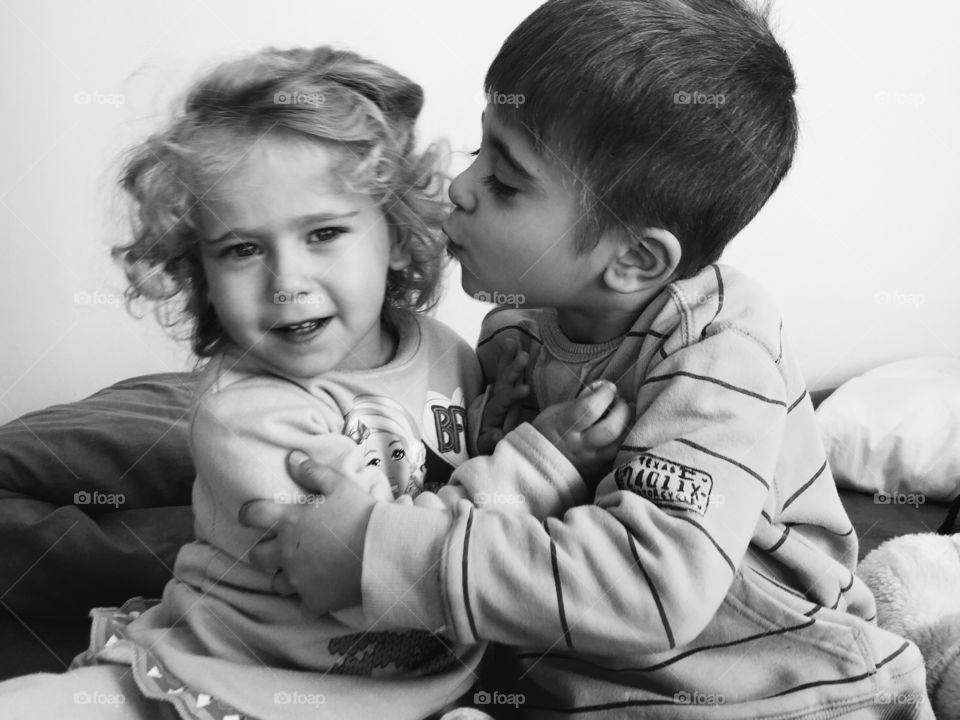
(452, 245)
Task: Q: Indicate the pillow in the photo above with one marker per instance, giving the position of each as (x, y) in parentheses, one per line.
(895, 431)
(95, 498)
(130, 437)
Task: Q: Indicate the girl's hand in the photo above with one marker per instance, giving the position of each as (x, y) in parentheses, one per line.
(505, 394)
(589, 429)
(316, 549)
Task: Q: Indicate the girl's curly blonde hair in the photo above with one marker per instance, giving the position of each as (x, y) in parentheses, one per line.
(362, 108)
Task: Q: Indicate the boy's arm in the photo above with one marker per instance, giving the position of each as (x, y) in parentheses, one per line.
(643, 569)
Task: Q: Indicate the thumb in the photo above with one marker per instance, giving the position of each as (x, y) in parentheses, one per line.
(594, 401)
(308, 474)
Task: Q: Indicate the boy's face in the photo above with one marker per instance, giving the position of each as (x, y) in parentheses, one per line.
(513, 225)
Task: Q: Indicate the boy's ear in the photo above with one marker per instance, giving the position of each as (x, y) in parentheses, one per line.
(400, 255)
(643, 261)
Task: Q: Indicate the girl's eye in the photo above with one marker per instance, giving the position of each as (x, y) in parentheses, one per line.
(398, 454)
(240, 250)
(498, 188)
(376, 462)
(327, 234)
(475, 153)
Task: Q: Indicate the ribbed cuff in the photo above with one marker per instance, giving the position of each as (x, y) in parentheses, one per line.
(401, 567)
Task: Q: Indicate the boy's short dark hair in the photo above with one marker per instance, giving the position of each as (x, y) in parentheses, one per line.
(669, 113)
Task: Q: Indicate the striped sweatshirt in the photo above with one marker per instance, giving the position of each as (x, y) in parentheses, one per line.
(712, 573)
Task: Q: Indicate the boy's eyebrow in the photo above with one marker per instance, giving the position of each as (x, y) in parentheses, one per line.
(305, 220)
(504, 152)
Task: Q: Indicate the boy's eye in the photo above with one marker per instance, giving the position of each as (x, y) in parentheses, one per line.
(498, 188)
(240, 250)
(327, 234)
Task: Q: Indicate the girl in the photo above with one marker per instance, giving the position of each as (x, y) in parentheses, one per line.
(287, 218)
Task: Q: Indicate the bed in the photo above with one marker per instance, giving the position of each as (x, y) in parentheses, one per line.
(96, 499)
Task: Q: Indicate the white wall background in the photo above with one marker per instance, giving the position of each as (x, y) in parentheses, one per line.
(859, 245)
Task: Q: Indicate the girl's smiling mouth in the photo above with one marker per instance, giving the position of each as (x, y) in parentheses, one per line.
(301, 331)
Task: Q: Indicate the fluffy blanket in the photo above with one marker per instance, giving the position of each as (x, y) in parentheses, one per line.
(916, 581)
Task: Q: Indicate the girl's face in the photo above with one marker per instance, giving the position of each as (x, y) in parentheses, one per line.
(297, 264)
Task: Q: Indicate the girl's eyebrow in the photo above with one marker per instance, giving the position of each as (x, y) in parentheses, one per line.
(300, 222)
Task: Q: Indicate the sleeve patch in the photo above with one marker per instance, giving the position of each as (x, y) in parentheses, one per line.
(666, 483)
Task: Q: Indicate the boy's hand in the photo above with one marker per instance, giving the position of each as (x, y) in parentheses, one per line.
(317, 548)
(507, 391)
(589, 429)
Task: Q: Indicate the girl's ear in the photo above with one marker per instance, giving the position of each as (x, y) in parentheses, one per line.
(643, 261)
(399, 252)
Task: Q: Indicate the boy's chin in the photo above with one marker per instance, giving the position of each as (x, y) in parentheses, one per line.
(471, 285)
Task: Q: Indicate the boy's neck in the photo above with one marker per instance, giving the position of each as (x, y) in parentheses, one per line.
(599, 324)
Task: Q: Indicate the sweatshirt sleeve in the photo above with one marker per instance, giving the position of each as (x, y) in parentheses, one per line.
(240, 437)
(646, 566)
(526, 473)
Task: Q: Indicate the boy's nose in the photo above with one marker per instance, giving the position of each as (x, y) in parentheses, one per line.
(460, 193)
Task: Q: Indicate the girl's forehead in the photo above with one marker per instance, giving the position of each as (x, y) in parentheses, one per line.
(232, 158)
(277, 184)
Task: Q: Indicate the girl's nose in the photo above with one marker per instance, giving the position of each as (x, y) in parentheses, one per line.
(293, 274)
(461, 192)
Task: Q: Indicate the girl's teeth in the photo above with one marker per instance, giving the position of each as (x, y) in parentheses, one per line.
(307, 326)
(310, 324)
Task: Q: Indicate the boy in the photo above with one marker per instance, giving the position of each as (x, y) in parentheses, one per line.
(712, 576)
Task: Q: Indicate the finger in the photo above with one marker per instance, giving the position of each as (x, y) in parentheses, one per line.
(520, 392)
(611, 427)
(591, 405)
(262, 514)
(310, 475)
(508, 353)
(513, 372)
(487, 441)
(429, 500)
(266, 555)
(282, 585)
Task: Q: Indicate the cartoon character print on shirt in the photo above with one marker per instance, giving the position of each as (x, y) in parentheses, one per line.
(389, 439)
(388, 436)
